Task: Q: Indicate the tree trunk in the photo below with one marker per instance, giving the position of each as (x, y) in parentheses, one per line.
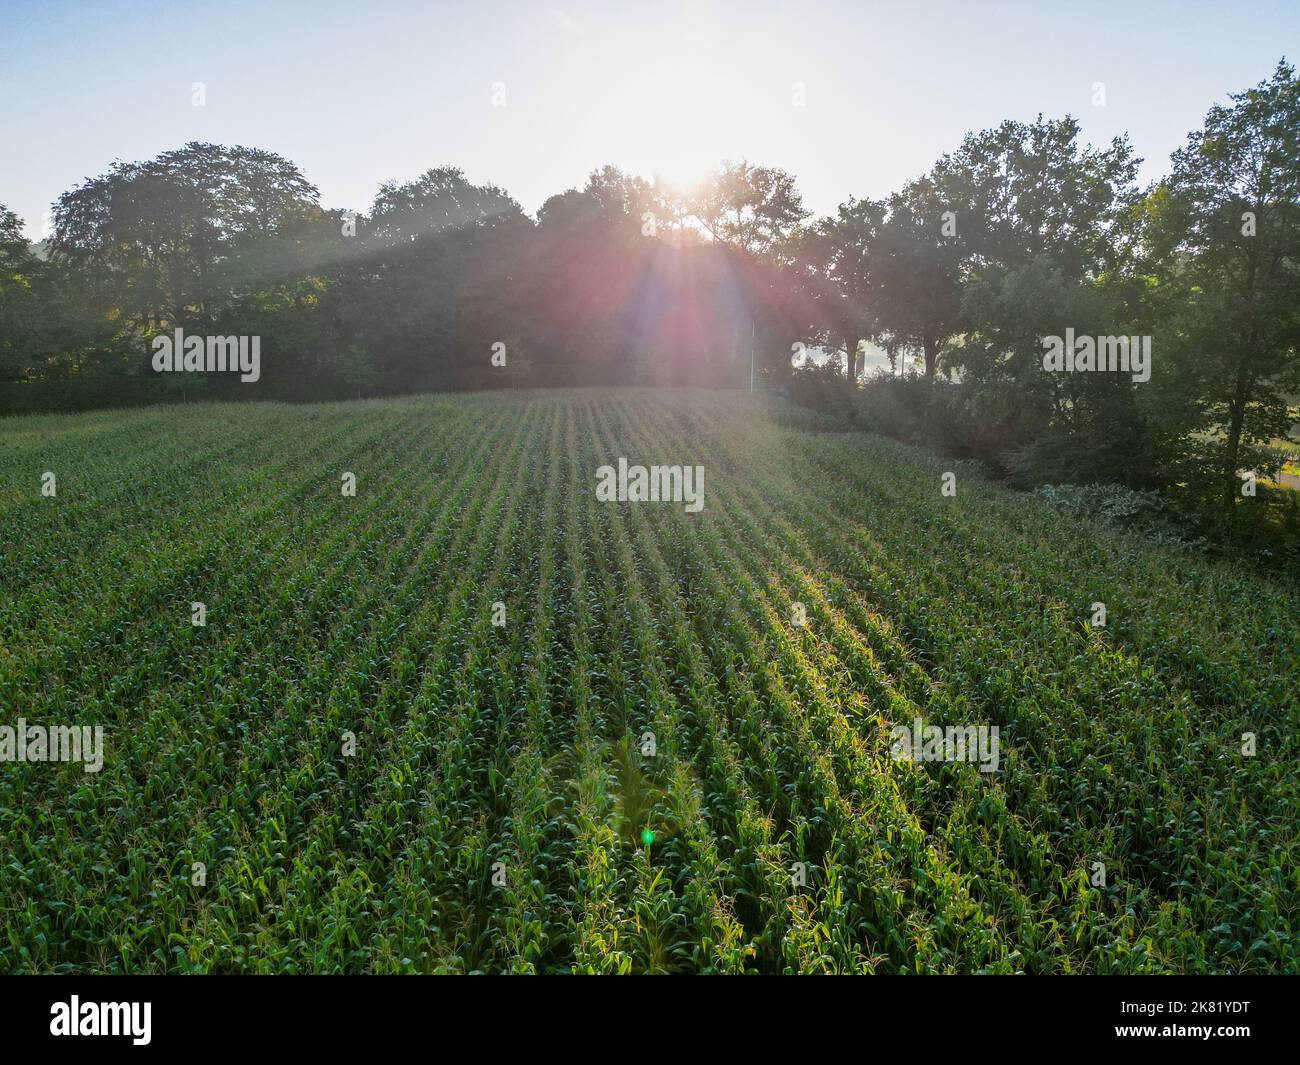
(1240, 392)
(851, 361)
(1237, 415)
(931, 349)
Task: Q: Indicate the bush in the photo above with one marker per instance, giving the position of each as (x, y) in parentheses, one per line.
(824, 389)
(931, 413)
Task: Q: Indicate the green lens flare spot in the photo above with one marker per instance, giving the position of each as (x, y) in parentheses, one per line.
(647, 836)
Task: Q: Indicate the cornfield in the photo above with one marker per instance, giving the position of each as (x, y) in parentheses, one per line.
(474, 718)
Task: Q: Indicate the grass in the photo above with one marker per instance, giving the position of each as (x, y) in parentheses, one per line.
(501, 812)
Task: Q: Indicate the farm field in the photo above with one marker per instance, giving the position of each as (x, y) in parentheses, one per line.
(351, 768)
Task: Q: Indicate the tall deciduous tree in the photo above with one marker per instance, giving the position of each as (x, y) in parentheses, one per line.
(153, 235)
(838, 285)
(1229, 226)
(24, 299)
(432, 278)
(756, 209)
(915, 268)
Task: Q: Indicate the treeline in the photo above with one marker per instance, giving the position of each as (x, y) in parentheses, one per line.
(442, 284)
(1019, 235)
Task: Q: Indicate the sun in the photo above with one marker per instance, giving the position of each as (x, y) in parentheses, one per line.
(682, 172)
(678, 137)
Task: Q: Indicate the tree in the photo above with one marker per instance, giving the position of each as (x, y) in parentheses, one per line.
(753, 214)
(426, 287)
(915, 274)
(1038, 247)
(45, 328)
(837, 287)
(754, 208)
(355, 369)
(152, 235)
(1226, 225)
(24, 299)
(1021, 190)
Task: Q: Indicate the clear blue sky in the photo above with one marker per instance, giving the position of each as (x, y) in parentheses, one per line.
(356, 93)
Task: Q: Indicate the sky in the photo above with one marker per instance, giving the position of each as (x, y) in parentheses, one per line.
(854, 98)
